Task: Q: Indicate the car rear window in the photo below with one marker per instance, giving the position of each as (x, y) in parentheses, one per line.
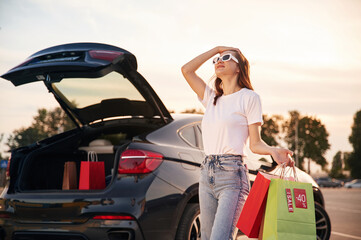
(83, 92)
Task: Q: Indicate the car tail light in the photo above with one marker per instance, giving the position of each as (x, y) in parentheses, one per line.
(134, 161)
(4, 215)
(105, 55)
(114, 217)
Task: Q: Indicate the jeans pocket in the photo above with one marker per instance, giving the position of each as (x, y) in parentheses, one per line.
(230, 166)
(245, 177)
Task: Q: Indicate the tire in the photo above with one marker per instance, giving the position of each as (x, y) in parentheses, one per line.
(189, 227)
(323, 223)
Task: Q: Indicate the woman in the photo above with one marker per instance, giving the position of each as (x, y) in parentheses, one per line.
(233, 114)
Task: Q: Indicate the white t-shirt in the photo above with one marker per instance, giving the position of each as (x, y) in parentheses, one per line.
(225, 126)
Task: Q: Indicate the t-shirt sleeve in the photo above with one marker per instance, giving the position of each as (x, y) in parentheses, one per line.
(208, 92)
(254, 109)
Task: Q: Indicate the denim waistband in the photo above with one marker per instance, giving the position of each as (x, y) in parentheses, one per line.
(223, 157)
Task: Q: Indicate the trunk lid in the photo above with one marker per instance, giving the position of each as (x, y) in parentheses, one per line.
(92, 82)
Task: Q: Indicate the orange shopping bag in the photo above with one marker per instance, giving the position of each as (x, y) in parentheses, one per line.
(70, 177)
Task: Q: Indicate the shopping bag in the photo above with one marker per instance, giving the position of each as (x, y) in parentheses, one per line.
(250, 219)
(92, 173)
(70, 180)
(290, 211)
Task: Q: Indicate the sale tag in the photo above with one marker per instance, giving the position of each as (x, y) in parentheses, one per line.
(300, 198)
(289, 200)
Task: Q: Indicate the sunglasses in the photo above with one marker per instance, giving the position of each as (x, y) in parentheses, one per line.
(225, 58)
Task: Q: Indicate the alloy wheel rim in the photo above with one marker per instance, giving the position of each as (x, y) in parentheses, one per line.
(195, 229)
(321, 225)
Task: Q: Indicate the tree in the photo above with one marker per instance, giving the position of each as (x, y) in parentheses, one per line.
(46, 123)
(346, 158)
(354, 160)
(270, 129)
(312, 138)
(336, 170)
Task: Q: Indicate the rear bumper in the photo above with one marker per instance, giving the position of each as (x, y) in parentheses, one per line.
(91, 230)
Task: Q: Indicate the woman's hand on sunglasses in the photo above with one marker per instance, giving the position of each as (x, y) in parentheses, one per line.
(222, 49)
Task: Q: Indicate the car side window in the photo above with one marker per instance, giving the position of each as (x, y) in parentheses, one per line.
(198, 129)
(192, 135)
(189, 136)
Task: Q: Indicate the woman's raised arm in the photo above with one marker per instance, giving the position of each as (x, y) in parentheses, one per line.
(190, 68)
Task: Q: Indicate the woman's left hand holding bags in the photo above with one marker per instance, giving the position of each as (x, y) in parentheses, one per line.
(282, 155)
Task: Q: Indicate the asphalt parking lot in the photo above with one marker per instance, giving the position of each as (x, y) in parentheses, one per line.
(344, 208)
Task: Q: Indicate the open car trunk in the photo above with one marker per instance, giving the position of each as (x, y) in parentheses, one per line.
(43, 168)
(98, 86)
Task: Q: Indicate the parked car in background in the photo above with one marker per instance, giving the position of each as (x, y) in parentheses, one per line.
(152, 158)
(329, 182)
(356, 183)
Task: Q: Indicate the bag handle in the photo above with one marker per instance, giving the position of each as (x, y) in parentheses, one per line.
(284, 170)
(92, 156)
(280, 168)
(292, 169)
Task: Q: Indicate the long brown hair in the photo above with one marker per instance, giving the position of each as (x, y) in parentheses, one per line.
(243, 76)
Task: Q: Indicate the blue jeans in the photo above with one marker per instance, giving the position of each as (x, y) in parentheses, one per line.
(223, 189)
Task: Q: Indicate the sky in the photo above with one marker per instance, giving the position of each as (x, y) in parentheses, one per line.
(304, 55)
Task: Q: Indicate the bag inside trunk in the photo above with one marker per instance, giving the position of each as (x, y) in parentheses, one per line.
(43, 169)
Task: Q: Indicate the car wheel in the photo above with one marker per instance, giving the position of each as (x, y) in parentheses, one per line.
(323, 223)
(190, 225)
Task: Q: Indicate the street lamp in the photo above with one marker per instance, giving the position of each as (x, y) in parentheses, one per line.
(296, 142)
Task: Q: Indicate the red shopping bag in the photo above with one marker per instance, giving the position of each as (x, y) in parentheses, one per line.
(92, 174)
(250, 219)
